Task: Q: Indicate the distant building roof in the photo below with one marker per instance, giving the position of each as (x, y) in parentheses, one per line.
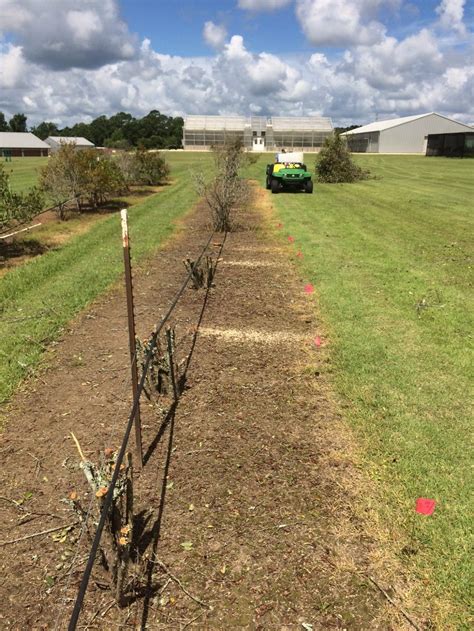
(239, 123)
(217, 123)
(393, 122)
(20, 140)
(76, 140)
(301, 123)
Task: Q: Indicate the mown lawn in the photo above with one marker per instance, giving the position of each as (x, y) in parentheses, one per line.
(24, 172)
(391, 259)
(38, 298)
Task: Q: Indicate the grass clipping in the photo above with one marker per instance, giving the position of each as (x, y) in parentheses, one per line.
(335, 164)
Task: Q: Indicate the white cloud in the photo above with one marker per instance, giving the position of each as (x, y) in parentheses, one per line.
(390, 63)
(263, 5)
(84, 24)
(214, 34)
(12, 16)
(63, 34)
(336, 23)
(342, 22)
(12, 68)
(389, 76)
(451, 14)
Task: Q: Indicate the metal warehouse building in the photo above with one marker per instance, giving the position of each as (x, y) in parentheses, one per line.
(401, 135)
(21, 144)
(55, 142)
(257, 133)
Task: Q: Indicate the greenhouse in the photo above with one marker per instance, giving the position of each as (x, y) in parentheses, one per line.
(257, 133)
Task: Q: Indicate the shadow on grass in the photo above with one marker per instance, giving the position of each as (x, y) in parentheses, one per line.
(21, 248)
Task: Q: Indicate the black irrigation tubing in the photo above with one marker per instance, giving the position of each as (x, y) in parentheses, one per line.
(108, 498)
(24, 223)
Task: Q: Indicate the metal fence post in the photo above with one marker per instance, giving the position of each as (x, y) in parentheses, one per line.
(131, 332)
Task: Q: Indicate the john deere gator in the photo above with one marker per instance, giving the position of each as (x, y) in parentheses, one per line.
(289, 172)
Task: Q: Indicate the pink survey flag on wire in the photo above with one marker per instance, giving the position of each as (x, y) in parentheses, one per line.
(299, 253)
(425, 506)
(291, 239)
(317, 341)
(308, 289)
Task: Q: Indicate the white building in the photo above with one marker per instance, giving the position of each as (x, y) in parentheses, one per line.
(21, 144)
(257, 133)
(401, 135)
(55, 142)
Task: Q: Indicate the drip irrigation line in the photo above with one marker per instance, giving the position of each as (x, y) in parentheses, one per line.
(109, 496)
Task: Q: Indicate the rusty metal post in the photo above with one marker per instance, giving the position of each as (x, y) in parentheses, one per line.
(131, 332)
(169, 341)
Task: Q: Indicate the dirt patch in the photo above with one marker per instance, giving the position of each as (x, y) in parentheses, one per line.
(247, 508)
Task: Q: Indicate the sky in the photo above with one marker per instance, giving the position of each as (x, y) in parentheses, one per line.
(354, 61)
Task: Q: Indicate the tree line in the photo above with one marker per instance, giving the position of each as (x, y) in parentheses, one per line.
(120, 131)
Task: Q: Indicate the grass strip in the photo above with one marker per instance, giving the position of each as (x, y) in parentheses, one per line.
(391, 259)
(38, 298)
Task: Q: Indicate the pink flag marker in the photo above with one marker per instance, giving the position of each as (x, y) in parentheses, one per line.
(425, 506)
(291, 239)
(317, 341)
(308, 289)
(299, 254)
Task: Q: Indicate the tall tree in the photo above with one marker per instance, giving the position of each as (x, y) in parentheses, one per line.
(3, 122)
(45, 129)
(18, 123)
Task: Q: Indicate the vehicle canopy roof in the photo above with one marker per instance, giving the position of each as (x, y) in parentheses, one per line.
(291, 156)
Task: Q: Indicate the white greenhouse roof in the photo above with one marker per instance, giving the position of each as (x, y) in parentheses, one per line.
(77, 140)
(239, 123)
(394, 122)
(215, 123)
(20, 140)
(301, 123)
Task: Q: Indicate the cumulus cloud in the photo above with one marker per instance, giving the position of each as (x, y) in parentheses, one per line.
(214, 34)
(263, 5)
(61, 34)
(341, 22)
(451, 14)
(389, 63)
(12, 67)
(388, 76)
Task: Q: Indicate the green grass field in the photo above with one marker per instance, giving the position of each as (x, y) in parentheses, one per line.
(39, 297)
(391, 260)
(24, 172)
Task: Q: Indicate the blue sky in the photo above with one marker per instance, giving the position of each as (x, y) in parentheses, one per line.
(176, 27)
(351, 60)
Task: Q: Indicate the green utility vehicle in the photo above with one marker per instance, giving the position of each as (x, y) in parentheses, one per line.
(288, 172)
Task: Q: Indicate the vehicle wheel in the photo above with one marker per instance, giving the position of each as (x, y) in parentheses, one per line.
(309, 186)
(268, 185)
(275, 186)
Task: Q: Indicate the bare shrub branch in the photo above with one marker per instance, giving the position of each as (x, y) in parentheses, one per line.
(226, 191)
